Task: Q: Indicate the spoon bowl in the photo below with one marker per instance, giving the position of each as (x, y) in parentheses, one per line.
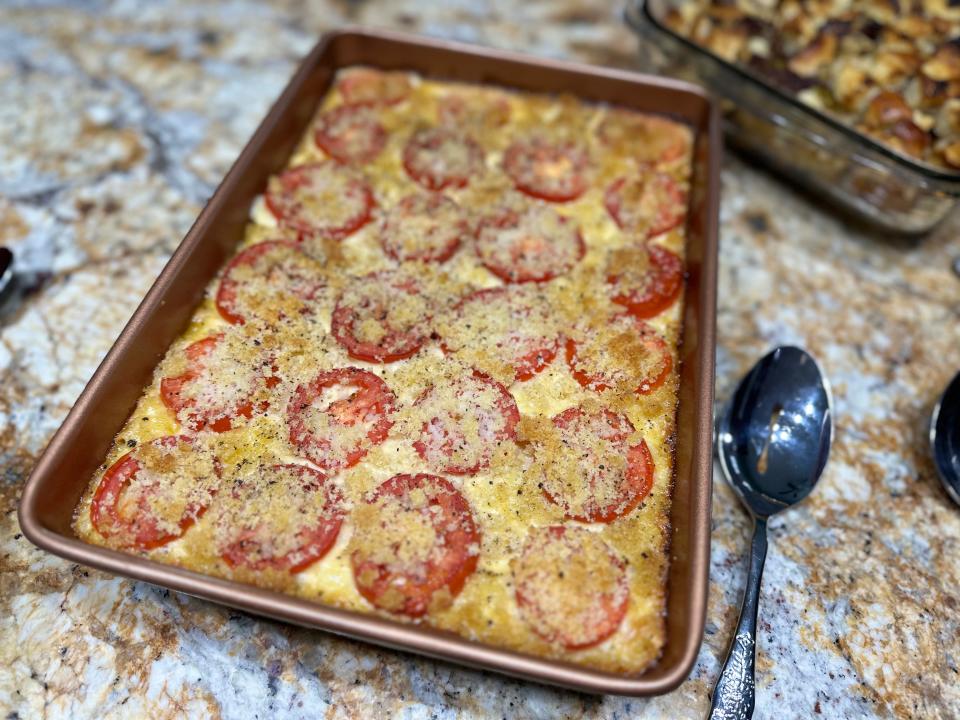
(774, 437)
(6, 268)
(773, 441)
(945, 438)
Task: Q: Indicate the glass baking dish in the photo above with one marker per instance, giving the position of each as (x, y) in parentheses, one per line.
(818, 152)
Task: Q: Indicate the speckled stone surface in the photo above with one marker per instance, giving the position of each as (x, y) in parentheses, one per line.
(117, 121)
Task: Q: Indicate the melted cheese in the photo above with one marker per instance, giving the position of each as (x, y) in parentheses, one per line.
(504, 497)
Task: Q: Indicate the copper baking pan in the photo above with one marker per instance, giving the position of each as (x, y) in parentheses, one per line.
(80, 445)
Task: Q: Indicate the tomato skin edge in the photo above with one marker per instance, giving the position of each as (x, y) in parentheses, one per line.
(171, 387)
(429, 180)
(114, 481)
(505, 404)
(341, 329)
(613, 614)
(510, 161)
(668, 271)
(639, 474)
(534, 363)
(387, 226)
(510, 278)
(660, 225)
(384, 404)
(330, 144)
(643, 476)
(648, 387)
(525, 367)
(322, 537)
(305, 230)
(417, 603)
(344, 318)
(226, 290)
(596, 382)
(358, 78)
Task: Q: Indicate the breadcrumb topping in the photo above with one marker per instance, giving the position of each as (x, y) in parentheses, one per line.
(391, 422)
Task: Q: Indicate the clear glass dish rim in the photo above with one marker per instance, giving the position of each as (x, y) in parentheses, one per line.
(638, 11)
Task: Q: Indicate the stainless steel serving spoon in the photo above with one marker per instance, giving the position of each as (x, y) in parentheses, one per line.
(945, 438)
(16, 284)
(773, 441)
(6, 268)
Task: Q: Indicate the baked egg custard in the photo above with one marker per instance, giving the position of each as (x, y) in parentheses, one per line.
(437, 382)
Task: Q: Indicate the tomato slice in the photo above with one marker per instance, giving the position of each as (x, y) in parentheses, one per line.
(531, 244)
(285, 518)
(216, 388)
(415, 544)
(147, 498)
(646, 280)
(338, 416)
(350, 134)
(647, 204)
(503, 326)
(645, 138)
(425, 226)
(571, 587)
(620, 355)
(483, 113)
(467, 419)
(266, 276)
(593, 473)
(325, 199)
(381, 317)
(366, 85)
(553, 171)
(440, 158)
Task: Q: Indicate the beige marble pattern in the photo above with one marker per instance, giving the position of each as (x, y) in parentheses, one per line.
(116, 122)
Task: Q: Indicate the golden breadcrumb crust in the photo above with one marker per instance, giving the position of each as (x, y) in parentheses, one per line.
(288, 338)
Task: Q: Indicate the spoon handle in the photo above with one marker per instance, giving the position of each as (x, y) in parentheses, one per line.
(733, 695)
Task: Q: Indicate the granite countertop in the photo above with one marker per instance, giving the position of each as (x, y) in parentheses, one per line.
(117, 120)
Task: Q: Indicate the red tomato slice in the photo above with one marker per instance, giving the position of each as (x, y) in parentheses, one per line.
(365, 85)
(571, 587)
(646, 138)
(440, 158)
(415, 544)
(628, 351)
(350, 134)
(337, 417)
(204, 399)
(324, 199)
(648, 204)
(425, 226)
(534, 244)
(135, 491)
(597, 482)
(381, 317)
(263, 274)
(468, 419)
(504, 323)
(457, 111)
(259, 538)
(649, 283)
(547, 170)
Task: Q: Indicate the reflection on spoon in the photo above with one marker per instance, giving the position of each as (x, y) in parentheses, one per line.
(764, 460)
